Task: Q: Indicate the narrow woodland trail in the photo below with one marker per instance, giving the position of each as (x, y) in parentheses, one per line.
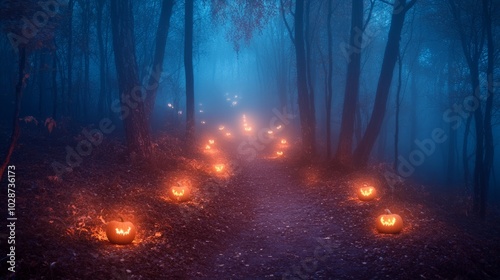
(282, 231)
(270, 218)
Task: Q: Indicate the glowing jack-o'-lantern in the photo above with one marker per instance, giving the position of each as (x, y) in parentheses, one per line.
(180, 193)
(389, 223)
(211, 141)
(120, 232)
(219, 167)
(279, 153)
(367, 193)
(283, 141)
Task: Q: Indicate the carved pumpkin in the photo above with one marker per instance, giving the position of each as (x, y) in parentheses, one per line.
(389, 223)
(120, 232)
(179, 193)
(219, 167)
(366, 192)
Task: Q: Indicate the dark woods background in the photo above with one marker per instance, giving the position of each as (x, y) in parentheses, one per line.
(406, 84)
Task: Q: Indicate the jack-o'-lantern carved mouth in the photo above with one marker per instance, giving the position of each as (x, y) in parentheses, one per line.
(178, 193)
(123, 232)
(389, 222)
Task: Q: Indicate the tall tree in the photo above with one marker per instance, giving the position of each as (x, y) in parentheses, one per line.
(363, 150)
(102, 58)
(329, 87)
(188, 67)
(489, 146)
(297, 37)
(344, 150)
(159, 55)
(131, 93)
(69, 88)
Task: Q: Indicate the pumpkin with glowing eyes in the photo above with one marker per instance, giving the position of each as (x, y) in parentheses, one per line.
(120, 232)
(179, 193)
(366, 192)
(389, 223)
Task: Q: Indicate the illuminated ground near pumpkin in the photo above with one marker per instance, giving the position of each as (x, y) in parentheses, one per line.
(271, 217)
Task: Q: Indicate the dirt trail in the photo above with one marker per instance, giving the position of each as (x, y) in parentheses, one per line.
(280, 232)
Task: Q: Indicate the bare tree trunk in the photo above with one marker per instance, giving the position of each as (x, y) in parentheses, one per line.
(86, 56)
(303, 94)
(344, 149)
(132, 107)
(489, 146)
(310, 82)
(188, 66)
(364, 148)
(157, 66)
(465, 156)
(329, 86)
(21, 83)
(54, 84)
(398, 105)
(70, 104)
(102, 63)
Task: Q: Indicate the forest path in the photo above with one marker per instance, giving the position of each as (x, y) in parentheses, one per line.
(282, 232)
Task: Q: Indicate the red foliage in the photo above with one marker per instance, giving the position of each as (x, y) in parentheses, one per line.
(242, 18)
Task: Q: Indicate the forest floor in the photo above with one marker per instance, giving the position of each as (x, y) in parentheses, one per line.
(269, 218)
